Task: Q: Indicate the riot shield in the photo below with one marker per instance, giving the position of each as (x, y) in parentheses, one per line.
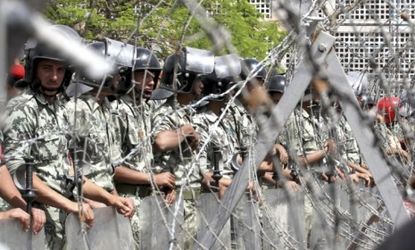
(110, 231)
(208, 205)
(13, 237)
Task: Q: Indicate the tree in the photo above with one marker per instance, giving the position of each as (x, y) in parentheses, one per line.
(164, 25)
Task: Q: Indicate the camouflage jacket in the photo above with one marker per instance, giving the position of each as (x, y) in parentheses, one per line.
(170, 116)
(95, 129)
(36, 130)
(215, 138)
(300, 132)
(349, 149)
(303, 137)
(135, 131)
(243, 126)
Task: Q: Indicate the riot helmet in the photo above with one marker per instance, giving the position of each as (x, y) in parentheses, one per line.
(387, 107)
(120, 54)
(276, 83)
(275, 86)
(35, 51)
(226, 71)
(367, 101)
(146, 71)
(252, 66)
(181, 70)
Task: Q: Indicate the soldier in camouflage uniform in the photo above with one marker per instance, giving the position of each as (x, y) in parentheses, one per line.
(389, 142)
(218, 137)
(175, 138)
(276, 88)
(302, 140)
(36, 130)
(11, 197)
(136, 174)
(96, 145)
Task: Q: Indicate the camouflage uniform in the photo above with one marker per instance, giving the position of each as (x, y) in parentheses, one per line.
(301, 139)
(135, 130)
(170, 116)
(351, 151)
(36, 130)
(240, 125)
(95, 128)
(3, 204)
(388, 141)
(301, 133)
(214, 136)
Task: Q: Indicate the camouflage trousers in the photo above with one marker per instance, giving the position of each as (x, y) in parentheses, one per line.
(136, 220)
(190, 224)
(55, 228)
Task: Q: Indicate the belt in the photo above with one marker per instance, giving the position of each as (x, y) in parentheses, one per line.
(135, 190)
(191, 194)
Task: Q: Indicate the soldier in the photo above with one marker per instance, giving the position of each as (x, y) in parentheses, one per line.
(302, 140)
(219, 147)
(36, 133)
(95, 143)
(244, 124)
(136, 177)
(12, 196)
(175, 138)
(276, 87)
(389, 143)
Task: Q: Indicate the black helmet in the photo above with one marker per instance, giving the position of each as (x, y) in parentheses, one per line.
(276, 83)
(35, 50)
(227, 70)
(190, 64)
(121, 54)
(367, 100)
(251, 65)
(145, 59)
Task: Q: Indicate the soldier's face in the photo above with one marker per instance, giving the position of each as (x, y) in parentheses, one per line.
(197, 88)
(144, 82)
(276, 97)
(50, 74)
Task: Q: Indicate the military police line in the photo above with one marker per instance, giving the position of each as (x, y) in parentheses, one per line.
(115, 141)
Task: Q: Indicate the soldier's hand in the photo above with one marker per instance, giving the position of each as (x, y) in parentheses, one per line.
(170, 196)
(354, 177)
(367, 178)
(330, 147)
(20, 215)
(130, 203)
(187, 130)
(268, 178)
(340, 173)
(208, 179)
(190, 134)
(292, 186)
(224, 183)
(284, 157)
(165, 179)
(282, 152)
(38, 220)
(123, 206)
(86, 214)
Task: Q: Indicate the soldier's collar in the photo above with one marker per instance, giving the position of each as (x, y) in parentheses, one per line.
(42, 99)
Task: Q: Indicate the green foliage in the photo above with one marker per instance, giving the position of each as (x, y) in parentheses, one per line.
(169, 24)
